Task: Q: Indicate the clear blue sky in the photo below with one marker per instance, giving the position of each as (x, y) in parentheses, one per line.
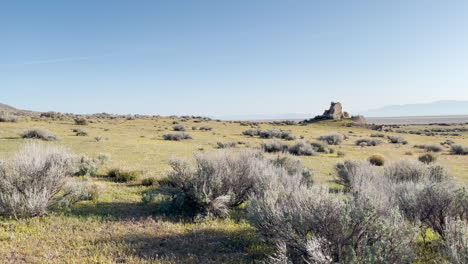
(231, 57)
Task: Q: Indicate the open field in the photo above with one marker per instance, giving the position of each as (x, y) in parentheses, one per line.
(119, 228)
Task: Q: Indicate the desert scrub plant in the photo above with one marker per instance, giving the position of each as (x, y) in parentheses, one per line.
(219, 181)
(294, 166)
(430, 148)
(275, 133)
(368, 142)
(377, 135)
(250, 132)
(427, 158)
(149, 181)
(76, 191)
(456, 241)
(104, 158)
(86, 166)
(397, 140)
(30, 181)
(81, 121)
(415, 171)
(321, 147)
(177, 136)
(230, 144)
(377, 160)
(81, 133)
(123, 175)
(179, 128)
(8, 117)
(311, 225)
(459, 150)
(274, 146)
(206, 128)
(302, 148)
(332, 139)
(39, 133)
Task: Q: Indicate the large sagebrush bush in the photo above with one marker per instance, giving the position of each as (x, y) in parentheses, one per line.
(424, 194)
(368, 142)
(274, 146)
(312, 225)
(294, 166)
(333, 138)
(30, 181)
(302, 148)
(412, 170)
(8, 117)
(38, 133)
(86, 166)
(459, 150)
(456, 241)
(275, 133)
(430, 148)
(220, 181)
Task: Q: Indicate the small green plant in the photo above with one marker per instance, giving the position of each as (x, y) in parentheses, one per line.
(427, 158)
(150, 181)
(104, 158)
(121, 175)
(86, 166)
(377, 160)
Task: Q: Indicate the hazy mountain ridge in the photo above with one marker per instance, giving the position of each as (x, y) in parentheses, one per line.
(437, 108)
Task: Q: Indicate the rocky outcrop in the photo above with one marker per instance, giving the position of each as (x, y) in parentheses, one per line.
(335, 112)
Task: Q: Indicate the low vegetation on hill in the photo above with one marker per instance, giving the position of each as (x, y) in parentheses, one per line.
(280, 192)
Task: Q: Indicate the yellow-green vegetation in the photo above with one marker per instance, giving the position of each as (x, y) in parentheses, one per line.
(118, 228)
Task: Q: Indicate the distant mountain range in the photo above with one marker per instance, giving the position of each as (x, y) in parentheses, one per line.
(438, 108)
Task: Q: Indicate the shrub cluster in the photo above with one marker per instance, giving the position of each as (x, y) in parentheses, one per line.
(397, 140)
(8, 117)
(368, 142)
(223, 180)
(230, 144)
(377, 160)
(86, 166)
(177, 136)
(302, 148)
(30, 181)
(427, 158)
(179, 128)
(430, 148)
(123, 175)
(270, 133)
(81, 121)
(333, 138)
(39, 133)
(206, 128)
(274, 146)
(459, 150)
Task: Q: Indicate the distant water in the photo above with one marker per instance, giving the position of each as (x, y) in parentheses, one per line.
(418, 120)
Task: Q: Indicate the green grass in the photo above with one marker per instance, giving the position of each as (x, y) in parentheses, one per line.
(119, 228)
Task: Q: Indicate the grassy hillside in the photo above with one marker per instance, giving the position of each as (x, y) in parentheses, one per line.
(118, 228)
